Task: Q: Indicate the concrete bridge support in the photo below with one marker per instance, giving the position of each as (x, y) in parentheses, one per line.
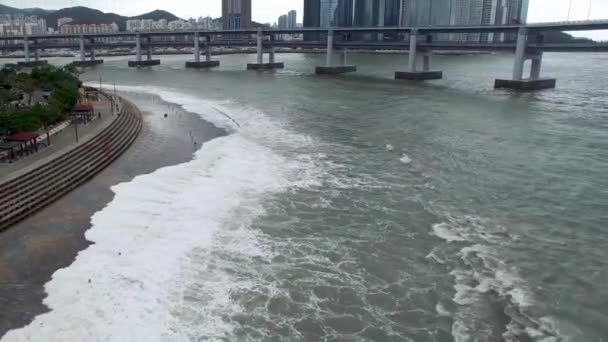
(26, 49)
(330, 68)
(260, 65)
(28, 63)
(518, 82)
(412, 73)
(139, 62)
(36, 52)
(83, 56)
(138, 48)
(207, 63)
(83, 62)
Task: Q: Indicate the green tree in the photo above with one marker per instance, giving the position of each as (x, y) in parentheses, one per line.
(5, 97)
(61, 83)
(47, 116)
(27, 84)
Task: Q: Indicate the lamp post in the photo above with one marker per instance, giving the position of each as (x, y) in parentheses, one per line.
(569, 10)
(114, 102)
(76, 130)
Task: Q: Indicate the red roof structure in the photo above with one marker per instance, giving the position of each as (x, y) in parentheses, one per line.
(22, 137)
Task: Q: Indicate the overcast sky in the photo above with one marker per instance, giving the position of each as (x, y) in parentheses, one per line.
(268, 10)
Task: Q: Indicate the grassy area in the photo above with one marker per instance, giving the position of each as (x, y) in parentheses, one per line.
(61, 83)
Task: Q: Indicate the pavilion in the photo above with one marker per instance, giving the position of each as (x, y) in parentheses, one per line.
(82, 113)
(20, 144)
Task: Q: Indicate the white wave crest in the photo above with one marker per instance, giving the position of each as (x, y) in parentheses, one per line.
(155, 235)
(447, 232)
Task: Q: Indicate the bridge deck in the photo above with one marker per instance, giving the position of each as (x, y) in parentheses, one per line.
(439, 46)
(589, 25)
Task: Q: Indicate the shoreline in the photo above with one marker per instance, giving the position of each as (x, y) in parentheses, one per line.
(49, 240)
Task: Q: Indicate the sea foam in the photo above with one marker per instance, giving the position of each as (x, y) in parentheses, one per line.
(129, 285)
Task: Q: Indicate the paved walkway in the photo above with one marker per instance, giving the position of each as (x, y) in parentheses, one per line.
(61, 143)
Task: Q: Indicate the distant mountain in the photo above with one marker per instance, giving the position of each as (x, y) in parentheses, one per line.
(85, 15)
(157, 15)
(10, 10)
(25, 11)
(37, 11)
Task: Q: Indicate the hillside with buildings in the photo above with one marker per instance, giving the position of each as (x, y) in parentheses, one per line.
(35, 21)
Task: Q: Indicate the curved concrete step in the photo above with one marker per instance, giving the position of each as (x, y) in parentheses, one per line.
(31, 192)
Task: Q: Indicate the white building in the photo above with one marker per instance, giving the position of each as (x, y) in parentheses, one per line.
(133, 25)
(63, 21)
(90, 28)
(162, 24)
(19, 25)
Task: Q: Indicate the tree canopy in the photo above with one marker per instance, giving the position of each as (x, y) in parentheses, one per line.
(62, 83)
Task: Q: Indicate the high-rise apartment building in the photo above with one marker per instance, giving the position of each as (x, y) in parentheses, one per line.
(236, 14)
(346, 13)
(426, 12)
(418, 13)
(292, 19)
(282, 22)
(13, 25)
(488, 12)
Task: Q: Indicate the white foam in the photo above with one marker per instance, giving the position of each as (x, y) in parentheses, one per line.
(487, 274)
(405, 159)
(159, 230)
(389, 147)
(433, 256)
(441, 310)
(460, 332)
(447, 232)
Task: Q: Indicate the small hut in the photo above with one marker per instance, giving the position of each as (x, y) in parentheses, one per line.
(25, 141)
(8, 150)
(91, 93)
(82, 114)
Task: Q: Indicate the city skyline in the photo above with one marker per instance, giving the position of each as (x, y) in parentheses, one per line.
(267, 11)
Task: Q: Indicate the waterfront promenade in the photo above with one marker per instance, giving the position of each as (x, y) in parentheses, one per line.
(61, 143)
(27, 188)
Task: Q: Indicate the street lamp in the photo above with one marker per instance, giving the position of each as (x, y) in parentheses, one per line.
(76, 129)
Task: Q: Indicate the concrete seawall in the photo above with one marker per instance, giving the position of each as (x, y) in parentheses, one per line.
(27, 193)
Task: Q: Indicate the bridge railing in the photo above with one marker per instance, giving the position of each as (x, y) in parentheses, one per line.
(598, 24)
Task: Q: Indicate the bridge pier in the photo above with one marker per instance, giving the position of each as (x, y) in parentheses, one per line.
(139, 62)
(28, 63)
(518, 82)
(260, 65)
(207, 63)
(330, 68)
(412, 73)
(36, 52)
(26, 49)
(83, 62)
(83, 56)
